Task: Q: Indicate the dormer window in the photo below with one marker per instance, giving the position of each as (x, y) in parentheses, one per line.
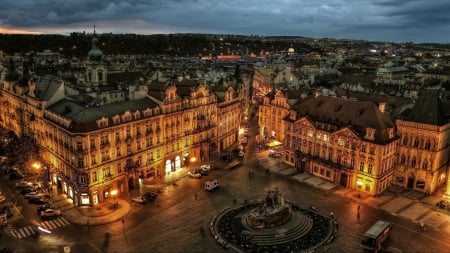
(126, 117)
(137, 115)
(116, 119)
(102, 123)
(370, 133)
(391, 133)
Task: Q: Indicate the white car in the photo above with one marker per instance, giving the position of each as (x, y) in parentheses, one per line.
(139, 199)
(31, 194)
(194, 174)
(206, 167)
(24, 184)
(50, 213)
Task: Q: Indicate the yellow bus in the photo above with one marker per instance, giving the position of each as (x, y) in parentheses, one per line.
(376, 235)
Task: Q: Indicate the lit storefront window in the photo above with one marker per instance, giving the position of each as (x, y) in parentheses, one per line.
(85, 199)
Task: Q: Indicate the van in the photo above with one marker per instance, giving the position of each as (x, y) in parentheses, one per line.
(211, 185)
(375, 236)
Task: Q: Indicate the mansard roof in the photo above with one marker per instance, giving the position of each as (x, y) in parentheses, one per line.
(356, 115)
(344, 112)
(84, 119)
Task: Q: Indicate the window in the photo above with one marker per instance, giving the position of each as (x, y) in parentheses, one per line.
(361, 166)
(93, 160)
(117, 136)
(428, 145)
(128, 132)
(325, 138)
(82, 179)
(80, 162)
(128, 149)
(118, 154)
(420, 184)
(340, 142)
(94, 176)
(363, 148)
(119, 168)
(413, 162)
(416, 142)
(369, 168)
(402, 159)
(372, 150)
(104, 140)
(105, 156)
(92, 143)
(425, 165)
(79, 146)
(138, 143)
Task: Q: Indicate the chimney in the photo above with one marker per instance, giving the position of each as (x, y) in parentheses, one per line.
(382, 106)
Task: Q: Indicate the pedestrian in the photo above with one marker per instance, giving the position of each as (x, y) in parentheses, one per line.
(332, 215)
(195, 196)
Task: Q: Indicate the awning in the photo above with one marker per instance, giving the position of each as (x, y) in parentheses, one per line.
(275, 144)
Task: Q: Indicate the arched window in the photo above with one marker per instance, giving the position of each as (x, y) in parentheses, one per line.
(416, 142)
(427, 145)
(405, 140)
(402, 159)
(413, 162)
(425, 164)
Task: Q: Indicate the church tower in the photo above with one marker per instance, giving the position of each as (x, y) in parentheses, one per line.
(96, 72)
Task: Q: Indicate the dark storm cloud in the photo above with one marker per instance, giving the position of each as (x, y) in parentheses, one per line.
(392, 20)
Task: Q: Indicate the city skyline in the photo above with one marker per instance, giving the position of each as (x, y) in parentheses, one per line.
(373, 20)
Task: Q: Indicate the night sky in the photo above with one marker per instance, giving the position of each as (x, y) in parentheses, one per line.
(375, 20)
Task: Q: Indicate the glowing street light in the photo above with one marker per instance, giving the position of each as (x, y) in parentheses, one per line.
(114, 194)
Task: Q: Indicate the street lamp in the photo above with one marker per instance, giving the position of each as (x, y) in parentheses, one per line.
(193, 159)
(114, 194)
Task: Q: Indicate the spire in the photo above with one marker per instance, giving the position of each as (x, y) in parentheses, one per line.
(95, 54)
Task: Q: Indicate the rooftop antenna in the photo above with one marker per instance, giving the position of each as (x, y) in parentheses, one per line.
(94, 28)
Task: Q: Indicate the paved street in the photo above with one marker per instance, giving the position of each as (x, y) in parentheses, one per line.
(172, 223)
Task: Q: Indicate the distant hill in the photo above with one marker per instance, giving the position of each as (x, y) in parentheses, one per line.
(78, 44)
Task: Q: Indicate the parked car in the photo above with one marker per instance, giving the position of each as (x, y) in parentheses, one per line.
(50, 213)
(150, 196)
(31, 194)
(139, 199)
(37, 200)
(24, 184)
(206, 167)
(45, 207)
(194, 174)
(2, 199)
(241, 153)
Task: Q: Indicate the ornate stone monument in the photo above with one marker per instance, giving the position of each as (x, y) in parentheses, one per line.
(273, 212)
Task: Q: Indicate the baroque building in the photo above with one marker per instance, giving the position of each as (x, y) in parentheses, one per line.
(94, 143)
(350, 143)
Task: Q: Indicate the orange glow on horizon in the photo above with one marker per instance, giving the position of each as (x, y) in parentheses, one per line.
(16, 31)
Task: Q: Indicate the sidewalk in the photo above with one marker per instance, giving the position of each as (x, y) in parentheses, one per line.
(107, 212)
(410, 204)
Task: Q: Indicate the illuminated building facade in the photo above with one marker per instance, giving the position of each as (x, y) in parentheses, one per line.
(423, 149)
(117, 144)
(350, 143)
